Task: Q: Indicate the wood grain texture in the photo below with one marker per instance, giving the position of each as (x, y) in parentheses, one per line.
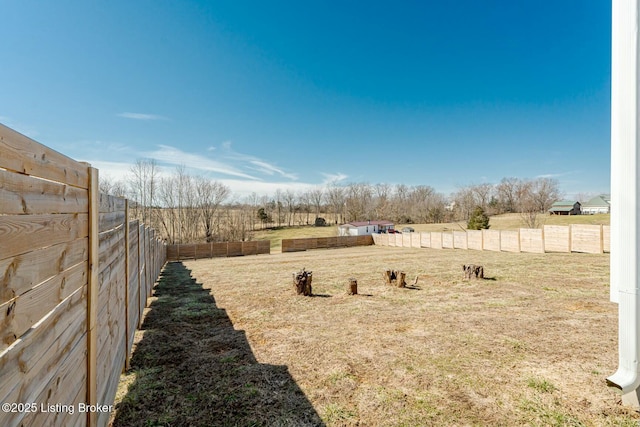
(21, 234)
(23, 194)
(29, 364)
(22, 312)
(23, 272)
(26, 156)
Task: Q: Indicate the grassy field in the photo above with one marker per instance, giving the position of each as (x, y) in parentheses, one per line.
(229, 342)
(498, 222)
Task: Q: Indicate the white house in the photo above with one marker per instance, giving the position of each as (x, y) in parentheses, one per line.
(363, 228)
(599, 204)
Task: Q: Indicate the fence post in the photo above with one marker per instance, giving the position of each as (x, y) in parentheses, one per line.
(92, 296)
(127, 278)
(139, 277)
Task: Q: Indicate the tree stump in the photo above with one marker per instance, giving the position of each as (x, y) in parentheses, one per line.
(472, 270)
(302, 282)
(395, 277)
(400, 279)
(352, 287)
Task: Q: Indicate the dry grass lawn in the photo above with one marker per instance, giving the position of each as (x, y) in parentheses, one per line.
(529, 345)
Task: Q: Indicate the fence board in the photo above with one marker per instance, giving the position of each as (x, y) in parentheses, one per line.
(491, 240)
(531, 240)
(24, 233)
(460, 239)
(21, 313)
(436, 239)
(26, 156)
(447, 240)
(108, 203)
(415, 240)
(111, 220)
(557, 238)
(30, 364)
(606, 238)
(250, 248)
(66, 387)
(264, 246)
(234, 249)
(425, 240)
(474, 240)
(203, 250)
(23, 272)
(510, 240)
(23, 194)
(586, 238)
(406, 240)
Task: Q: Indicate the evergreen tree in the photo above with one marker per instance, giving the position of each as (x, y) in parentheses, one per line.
(478, 220)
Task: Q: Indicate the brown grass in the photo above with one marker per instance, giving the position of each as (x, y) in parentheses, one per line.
(529, 345)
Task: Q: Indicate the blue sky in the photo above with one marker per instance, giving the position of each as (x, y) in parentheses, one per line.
(266, 95)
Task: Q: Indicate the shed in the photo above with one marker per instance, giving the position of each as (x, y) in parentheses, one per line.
(565, 207)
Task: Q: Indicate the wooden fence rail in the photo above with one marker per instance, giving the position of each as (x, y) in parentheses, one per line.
(592, 239)
(75, 276)
(295, 245)
(221, 249)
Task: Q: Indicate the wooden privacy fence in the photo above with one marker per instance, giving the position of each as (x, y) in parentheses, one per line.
(592, 239)
(295, 245)
(213, 250)
(75, 276)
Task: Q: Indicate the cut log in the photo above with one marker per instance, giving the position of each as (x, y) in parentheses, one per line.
(352, 287)
(395, 277)
(472, 270)
(400, 280)
(302, 282)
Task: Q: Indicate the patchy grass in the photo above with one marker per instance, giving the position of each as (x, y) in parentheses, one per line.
(529, 346)
(190, 367)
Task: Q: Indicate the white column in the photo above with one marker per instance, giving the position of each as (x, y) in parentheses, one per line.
(625, 218)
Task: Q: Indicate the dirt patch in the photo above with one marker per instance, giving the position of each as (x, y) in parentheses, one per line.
(529, 345)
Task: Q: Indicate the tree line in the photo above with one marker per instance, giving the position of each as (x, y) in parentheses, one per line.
(187, 208)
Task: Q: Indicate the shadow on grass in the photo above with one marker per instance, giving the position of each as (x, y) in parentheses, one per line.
(192, 368)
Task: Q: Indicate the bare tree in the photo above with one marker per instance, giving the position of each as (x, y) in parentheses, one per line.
(143, 186)
(336, 199)
(290, 201)
(108, 185)
(210, 194)
(507, 192)
(317, 196)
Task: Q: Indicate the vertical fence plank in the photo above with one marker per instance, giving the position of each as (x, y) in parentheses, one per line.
(127, 278)
(92, 296)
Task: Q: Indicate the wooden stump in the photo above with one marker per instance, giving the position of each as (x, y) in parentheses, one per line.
(395, 277)
(472, 270)
(400, 280)
(352, 287)
(302, 282)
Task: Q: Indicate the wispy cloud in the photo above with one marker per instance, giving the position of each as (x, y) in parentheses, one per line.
(141, 116)
(557, 175)
(174, 156)
(255, 163)
(270, 169)
(334, 177)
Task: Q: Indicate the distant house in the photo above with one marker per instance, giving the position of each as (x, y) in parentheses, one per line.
(565, 207)
(599, 204)
(363, 228)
